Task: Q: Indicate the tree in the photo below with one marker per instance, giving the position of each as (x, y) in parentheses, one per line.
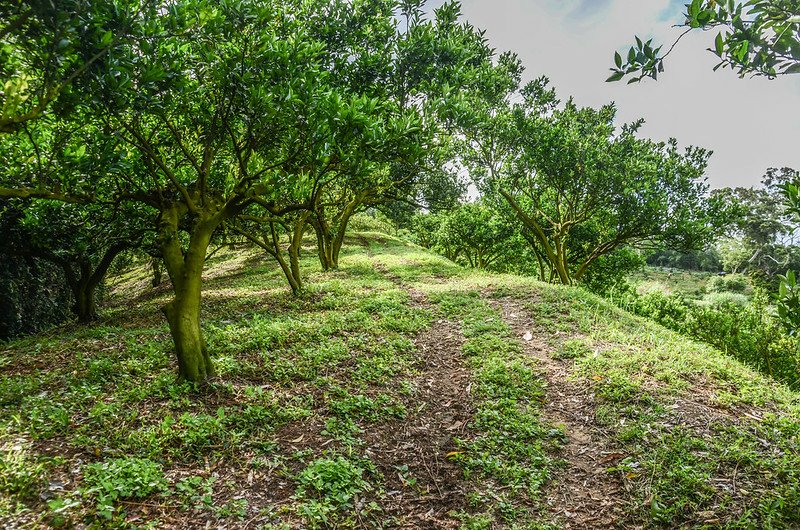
(207, 104)
(82, 240)
(583, 189)
(432, 63)
(757, 37)
(758, 226)
(210, 110)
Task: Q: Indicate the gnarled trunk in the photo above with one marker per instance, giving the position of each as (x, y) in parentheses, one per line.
(85, 307)
(183, 315)
(183, 312)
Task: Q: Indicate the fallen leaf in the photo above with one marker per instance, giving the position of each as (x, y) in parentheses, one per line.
(298, 440)
(527, 336)
(454, 453)
(610, 457)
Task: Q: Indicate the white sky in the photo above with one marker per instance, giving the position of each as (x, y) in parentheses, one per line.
(750, 124)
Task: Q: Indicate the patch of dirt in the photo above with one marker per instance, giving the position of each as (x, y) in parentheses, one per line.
(423, 484)
(582, 495)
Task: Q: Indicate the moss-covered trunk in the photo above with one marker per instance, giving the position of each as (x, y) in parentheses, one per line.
(183, 312)
(183, 315)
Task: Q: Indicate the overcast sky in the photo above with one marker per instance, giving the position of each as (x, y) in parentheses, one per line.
(750, 124)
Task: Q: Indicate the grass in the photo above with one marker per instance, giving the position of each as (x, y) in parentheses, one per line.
(95, 431)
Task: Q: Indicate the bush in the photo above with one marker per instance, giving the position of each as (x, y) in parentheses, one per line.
(748, 332)
(367, 222)
(610, 272)
(730, 284)
(720, 300)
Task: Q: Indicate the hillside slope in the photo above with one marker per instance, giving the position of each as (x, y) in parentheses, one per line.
(401, 391)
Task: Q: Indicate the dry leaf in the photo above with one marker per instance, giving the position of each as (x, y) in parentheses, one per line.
(527, 336)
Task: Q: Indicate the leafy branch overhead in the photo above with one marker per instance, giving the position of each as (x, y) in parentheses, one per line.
(757, 38)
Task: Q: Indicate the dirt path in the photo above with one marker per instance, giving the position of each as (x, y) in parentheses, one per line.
(423, 485)
(582, 495)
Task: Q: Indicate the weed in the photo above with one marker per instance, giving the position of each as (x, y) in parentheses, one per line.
(122, 478)
(328, 490)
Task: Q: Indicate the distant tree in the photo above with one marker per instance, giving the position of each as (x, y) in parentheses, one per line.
(583, 189)
(479, 236)
(756, 37)
(758, 226)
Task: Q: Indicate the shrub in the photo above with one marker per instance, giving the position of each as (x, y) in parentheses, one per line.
(720, 300)
(748, 332)
(731, 284)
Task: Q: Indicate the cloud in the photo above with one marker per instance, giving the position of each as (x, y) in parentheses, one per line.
(590, 9)
(750, 124)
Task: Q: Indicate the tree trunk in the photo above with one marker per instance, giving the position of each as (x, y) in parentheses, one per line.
(155, 264)
(85, 308)
(324, 246)
(186, 273)
(344, 220)
(295, 244)
(183, 315)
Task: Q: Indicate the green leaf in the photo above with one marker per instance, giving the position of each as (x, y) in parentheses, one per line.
(618, 59)
(719, 44)
(616, 76)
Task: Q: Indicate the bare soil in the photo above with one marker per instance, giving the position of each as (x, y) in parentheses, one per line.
(582, 494)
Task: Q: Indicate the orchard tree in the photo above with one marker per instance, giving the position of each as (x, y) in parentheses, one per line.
(82, 240)
(207, 105)
(580, 187)
(757, 37)
(433, 61)
(212, 109)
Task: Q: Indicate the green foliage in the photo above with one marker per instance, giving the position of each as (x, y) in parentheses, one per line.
(21, 475)
(579, 188)
(757, 37)
(328, 488)
(788, 302)
(122, 478)
(735, 283)
(746, 331)
(610, 272)
(699, 260)
(475, 235)
(726, 298)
